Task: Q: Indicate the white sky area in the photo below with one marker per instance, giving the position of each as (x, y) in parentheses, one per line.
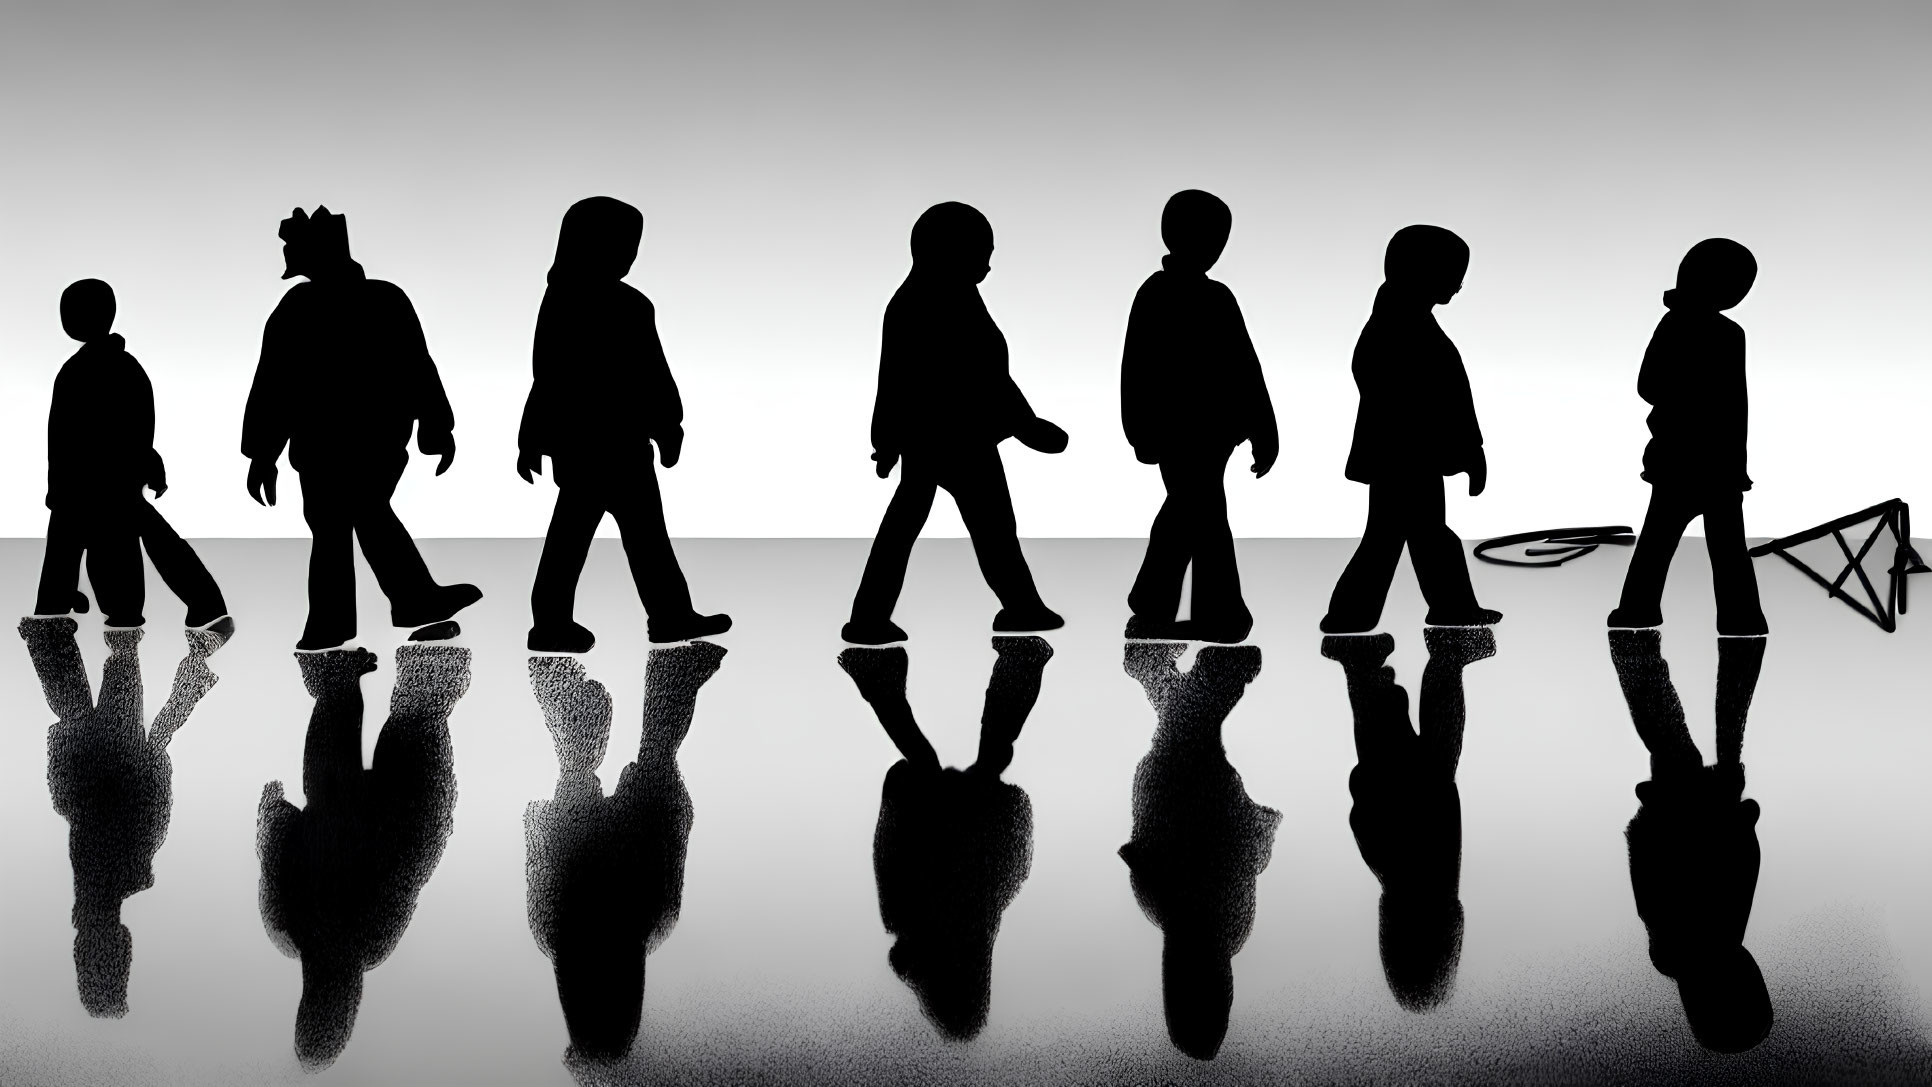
(781, 152)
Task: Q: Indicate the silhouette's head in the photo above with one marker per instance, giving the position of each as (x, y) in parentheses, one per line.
(1421, 947)
(1426, 261)
(87, 310)
(1194, 226)
(316, 246)
(953, 240)
(103, 958)
(1717, 272)
(326, 1015)
(1725, 1001)
(1197, 991)
(598, 240)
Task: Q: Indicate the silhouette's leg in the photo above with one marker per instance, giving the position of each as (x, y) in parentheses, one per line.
(180, 568)
(1739, 660)
(1655, 710)
(391, 551)
(1643, 584)
(332, 571)
(573, 522)
(647, 544)
(1217, 580)
(1157, 588)
(978, 484)
(1436, 552)
(1356, 603)
(60, 564)
(332, 749)
(1378, 704)
(1010, 695)
(114, 567)
(880, 675)
(885, 567)
(1732, 577)
(1442, 711)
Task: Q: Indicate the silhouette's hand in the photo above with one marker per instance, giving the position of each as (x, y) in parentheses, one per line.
(1146, 455)
(261, 482)
(1478, 475)
(1265, 455)
(670, 446)
(886, 461)
(1037, 433)
(449, 455)
(159, 487)
(529, 464)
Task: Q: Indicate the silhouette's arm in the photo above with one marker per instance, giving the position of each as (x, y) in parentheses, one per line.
(1251, 387)
(665, 406)
(141, 424)
(268, 419)
(435, 420)
(1140, 360)
(889, 403)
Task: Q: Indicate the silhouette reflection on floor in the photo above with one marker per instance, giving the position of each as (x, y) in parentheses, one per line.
(953, 847)
(340, 877)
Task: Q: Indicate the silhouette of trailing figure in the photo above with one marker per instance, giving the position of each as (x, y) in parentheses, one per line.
(1407, 816)
(601, 394)
(1694, 842)
(340, 877)
(1693, 378)
(112, 780)
(1191, 389)
(100, 454)
(945, 403)
(344, 375)
(606, 873)
(953, 847)
(1199, 842)
(1416, 424)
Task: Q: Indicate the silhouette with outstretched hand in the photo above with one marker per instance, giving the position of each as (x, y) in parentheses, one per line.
(601, 395)
(1199, 842)
(1416, 424)
(1191, 390)
(345, 374)
(606, 873)
(340, 877)
(112, 780)
(1693, 378)
(945, 403)
(1694, 850)
(1407, 816)
(100, 455)
(953, 847)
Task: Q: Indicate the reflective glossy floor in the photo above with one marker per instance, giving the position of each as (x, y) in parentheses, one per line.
(1070, 859)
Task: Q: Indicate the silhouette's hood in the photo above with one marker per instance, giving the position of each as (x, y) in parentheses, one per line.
(597, 242)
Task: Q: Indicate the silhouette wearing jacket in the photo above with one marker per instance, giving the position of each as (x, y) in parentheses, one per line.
(1191, 390)
(953, 847)
(601, 394)
(100, 454)
(606, 873)
(1694, 850)
(1199, 842)
(945, 402)
(1407, 816)
(1693, 378)
(112, 780)
(344, 376)
(340, 877)
(1415, 425)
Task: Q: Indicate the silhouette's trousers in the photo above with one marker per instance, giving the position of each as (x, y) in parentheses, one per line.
(1404, 510)
(977, 481)
(343, 502)
(1191, 526)
(634, 500)
(112, 533)
(1670, 513)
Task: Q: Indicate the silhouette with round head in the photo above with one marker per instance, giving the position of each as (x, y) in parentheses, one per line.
(598, 240)
(87, 310)
(1195, 227)
(953, 240)
(1717, 272)
(1427, 260)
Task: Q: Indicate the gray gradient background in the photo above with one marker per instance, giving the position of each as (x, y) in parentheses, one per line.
(781, 152)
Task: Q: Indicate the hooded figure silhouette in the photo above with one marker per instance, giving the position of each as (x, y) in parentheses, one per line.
(601, 393)
(1693, 378)
(945, 402)
(1191, 389)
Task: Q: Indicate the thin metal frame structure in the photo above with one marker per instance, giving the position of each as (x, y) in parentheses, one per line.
(1893, 515)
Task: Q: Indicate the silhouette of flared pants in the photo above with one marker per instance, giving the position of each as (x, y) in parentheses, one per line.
(339, 505)
(1191, 526)
(112, 534)
(1734, 581)
(638, 506)
(1405, 510)
(977, 481)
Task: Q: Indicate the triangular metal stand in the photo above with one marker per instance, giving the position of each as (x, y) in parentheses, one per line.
(1894, 516)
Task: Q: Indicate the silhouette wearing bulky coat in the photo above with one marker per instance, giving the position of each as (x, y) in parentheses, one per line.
(1191, 389)
(344, 376)
(945, 403)
(1415, 425)
(1694, 851)
(1199, 842)
(953, 847)
(100, 454)
(601, 395)
(606, 873)
(1693, 378)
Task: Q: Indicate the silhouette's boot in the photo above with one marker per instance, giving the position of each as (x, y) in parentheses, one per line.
(1358, 652)
(872, 632)
(80, 602)
(1027, 619)
(1224, 631)
(440, 603)
(1143, 628)
(686, 627)
(561, 638)
(1335, 623)
(1635, 619)
(1749, 625)
(124, 622)
(1472, 617)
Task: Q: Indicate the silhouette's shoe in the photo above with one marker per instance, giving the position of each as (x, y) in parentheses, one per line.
(1349, 624)
(1159, 630)
(222, 628)
(321, 643)
(123, 622)
(1039, 617)
(1354, 651)
(1223, 631)
(562, 638)
(206, 620)
(1630, 618)
(80, 602)
(687, 627)
(872, 632)
(437, 632)
(442, 602)
(1476, 617)
(1748, 626)
(1460, 646)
